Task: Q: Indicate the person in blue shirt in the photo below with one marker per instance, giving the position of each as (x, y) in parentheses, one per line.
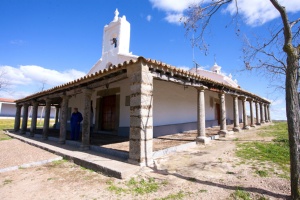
(76, 118)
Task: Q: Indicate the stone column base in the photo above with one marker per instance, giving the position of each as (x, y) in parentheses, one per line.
(22, 132)
(257, 124)
(236, 129)
(62, 142)
(252, 126)
(246, 128)
(148, 163)
(225, 133)
(84, 147)
(202, 140)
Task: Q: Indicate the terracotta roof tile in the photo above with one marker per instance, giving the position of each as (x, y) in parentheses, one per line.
(7, 100)
(159, 65)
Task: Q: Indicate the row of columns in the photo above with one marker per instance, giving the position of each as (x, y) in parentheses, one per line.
(34, 117)
(262, 117)
(63, 118)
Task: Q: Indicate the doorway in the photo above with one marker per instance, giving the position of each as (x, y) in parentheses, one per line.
(108, 114)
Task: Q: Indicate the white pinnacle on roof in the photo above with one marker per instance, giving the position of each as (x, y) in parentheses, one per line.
(116, 15)
(216, 68)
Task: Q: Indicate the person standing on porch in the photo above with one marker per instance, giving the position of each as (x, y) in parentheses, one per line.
(76, 118)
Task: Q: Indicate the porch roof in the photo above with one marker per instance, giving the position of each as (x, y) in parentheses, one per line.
(153, 65)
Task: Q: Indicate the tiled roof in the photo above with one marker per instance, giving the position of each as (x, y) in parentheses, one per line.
(154, 64)
(7, 100)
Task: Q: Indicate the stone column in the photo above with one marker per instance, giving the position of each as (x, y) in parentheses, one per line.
(33, 118)
(85, 144)
(262, 116)
(201, 135)
(46, 119)
(269, 115)
(63, 119)
(251, 113)
(141, 119)
(24, 118)
(236, 123)
(257, 114)
(245, 119)
(56, 115)
(223, 129)
(17, 117)
(266, 113)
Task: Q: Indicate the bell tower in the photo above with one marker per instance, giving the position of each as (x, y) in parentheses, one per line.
(115, 44)
(116, 36)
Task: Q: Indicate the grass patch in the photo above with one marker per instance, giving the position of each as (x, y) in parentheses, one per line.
(59, 162)
(9, 123)
(276, 151)
(179, 195)
(261, 173)
(139, 186)
(230, 173)
(7, 181)
(4, 136)
(86, 169)
(240, 194)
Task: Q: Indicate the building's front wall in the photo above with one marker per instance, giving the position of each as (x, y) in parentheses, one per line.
(174, 107)
(7, 109)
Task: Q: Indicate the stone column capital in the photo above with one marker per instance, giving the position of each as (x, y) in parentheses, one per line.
(222, 93)
(201, 88)
(243, 98)
(26, 104)
(87, 91)
(18, 105)
(48, 100)
(234, 95)
(34, 103)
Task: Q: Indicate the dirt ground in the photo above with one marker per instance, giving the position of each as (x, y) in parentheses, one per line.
(204, 172)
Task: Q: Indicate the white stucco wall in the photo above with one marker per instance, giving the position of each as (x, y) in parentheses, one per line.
(7, 109)
(172, 104)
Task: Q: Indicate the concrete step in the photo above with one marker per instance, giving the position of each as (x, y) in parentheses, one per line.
(107, 165)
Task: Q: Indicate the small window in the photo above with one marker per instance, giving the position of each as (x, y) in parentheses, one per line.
(127, 101)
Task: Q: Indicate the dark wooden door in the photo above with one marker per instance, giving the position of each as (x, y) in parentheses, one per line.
(218, 114)
(108, 113)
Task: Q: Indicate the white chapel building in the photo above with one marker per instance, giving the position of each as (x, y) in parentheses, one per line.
(140, 99)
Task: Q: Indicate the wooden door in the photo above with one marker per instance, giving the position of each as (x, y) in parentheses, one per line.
(218, 114)
(108, 113)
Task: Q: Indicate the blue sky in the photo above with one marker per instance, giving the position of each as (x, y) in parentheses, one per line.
(44, 43)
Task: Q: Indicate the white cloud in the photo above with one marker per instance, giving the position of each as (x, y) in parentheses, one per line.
(254, 12)
(258, 12)
(49, 76)
(149, 17)
(277, 102)
(184, 68)
(28, 79)
(174, 9)
(176, 18)
(173, 6)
